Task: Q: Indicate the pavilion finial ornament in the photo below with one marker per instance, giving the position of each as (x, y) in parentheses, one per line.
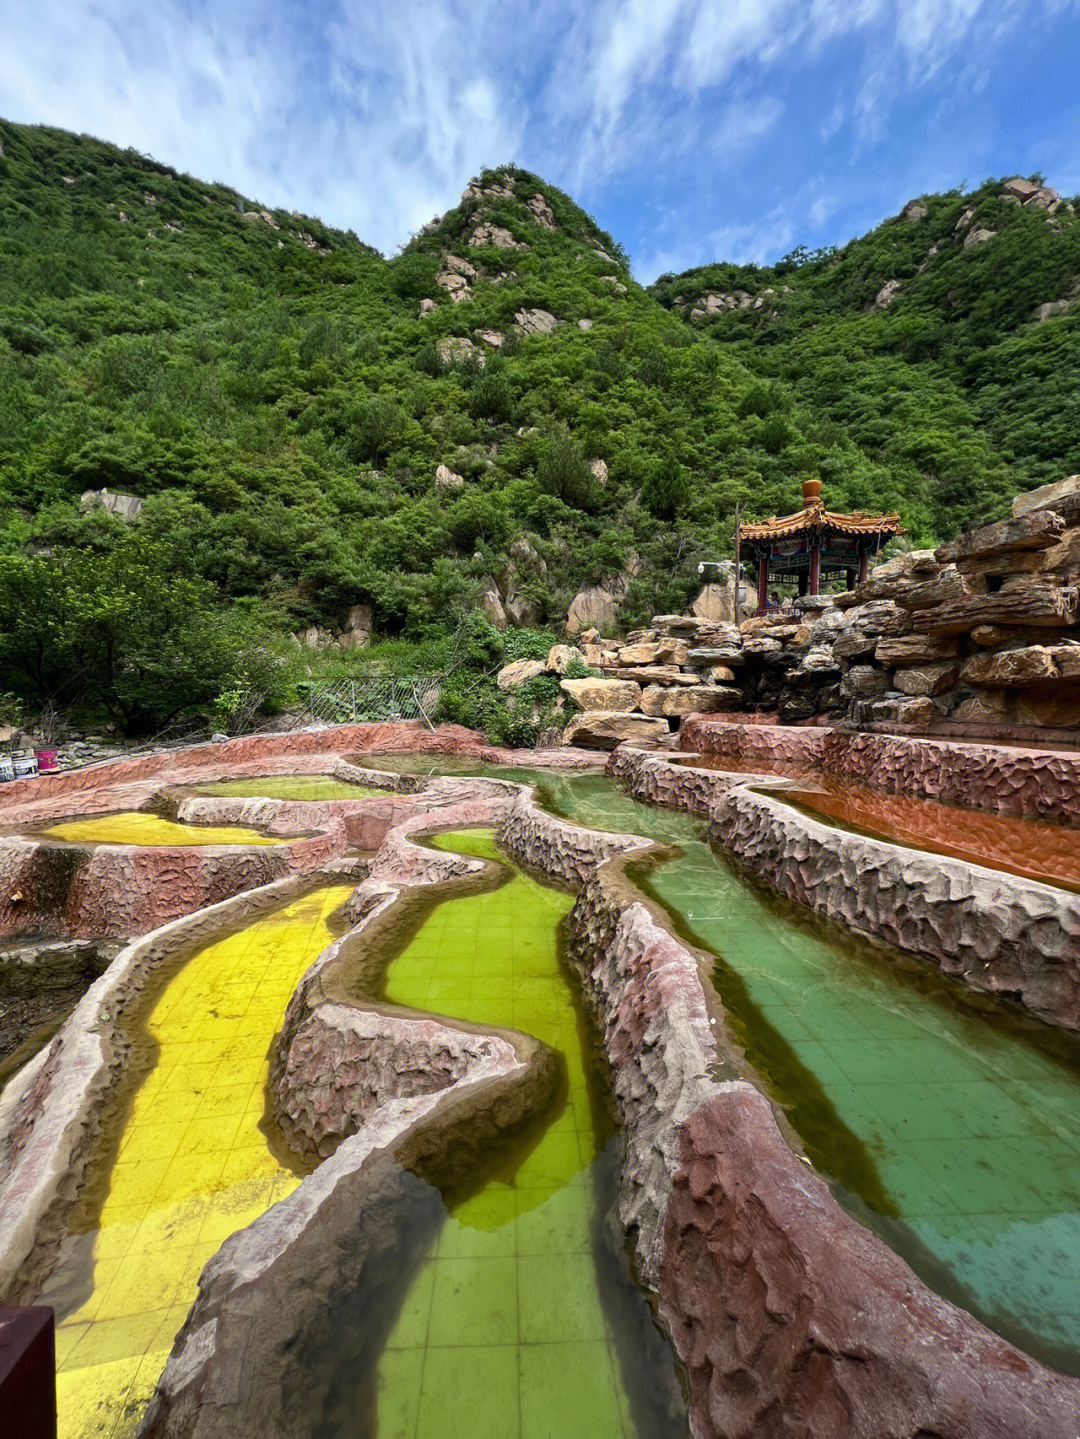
(812, 544)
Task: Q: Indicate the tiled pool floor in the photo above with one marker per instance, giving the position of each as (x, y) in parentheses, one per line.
(192, 1166)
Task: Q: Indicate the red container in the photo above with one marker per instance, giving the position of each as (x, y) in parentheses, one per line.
(46, 759)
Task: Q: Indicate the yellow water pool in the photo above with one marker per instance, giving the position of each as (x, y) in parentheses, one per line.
(193, 1165)
(134, 827)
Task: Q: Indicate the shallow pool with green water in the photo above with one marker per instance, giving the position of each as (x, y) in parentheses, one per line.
(513, 1324)
(947, 1121)
(288, 786)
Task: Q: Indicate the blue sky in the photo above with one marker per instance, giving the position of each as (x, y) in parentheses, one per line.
(692, 129)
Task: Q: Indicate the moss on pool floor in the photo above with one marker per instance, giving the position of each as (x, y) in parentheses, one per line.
(289, 786)
(192, 1167)
(136, 827)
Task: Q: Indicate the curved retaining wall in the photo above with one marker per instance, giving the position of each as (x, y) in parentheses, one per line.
(556, 847)
(998, 932)
(788, 1316)
(1038, 784)
(110, 891)
(51, 1111)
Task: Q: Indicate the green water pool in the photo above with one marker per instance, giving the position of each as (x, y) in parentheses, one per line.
(947, 1121)
(290, 786)
(507, 1327)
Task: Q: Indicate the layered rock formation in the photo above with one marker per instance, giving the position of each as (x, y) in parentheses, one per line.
(983, 631)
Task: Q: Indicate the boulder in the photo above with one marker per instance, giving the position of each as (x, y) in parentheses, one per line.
(862, 681)
(522, 610)
(719, 675)
(990, 636)
(427, 306)
(446, 479)
(1044, 497)
(457, 349)
(495, 338)
(978, 237)
(949, 584)
(661, 675)
(985, 707)
(604, 729)
(701, 699)
(818, 665)
(594, 606)
(541, 212)
(124, 507)
(492, 606)
(1067, 659)
(1017, 562)
(1035, 530)
(535, 322)
(915, 713)
(517, 672)
(645, 653)
(620, 696)
(853, 645)
(456, 285)
(488, 233)
(1049, 308)
(1043, 606)
(1010, 669)
(915, 650)
(715, 602)
(600, 471)
(880, 617)
(886, 295)
(561, 657)
(359, 623)
(1020, 189)
(914, 210)
(932, 679)
(757, 647)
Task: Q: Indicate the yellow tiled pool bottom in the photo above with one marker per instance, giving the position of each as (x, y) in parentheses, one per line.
(193, 1166)
(134, 827)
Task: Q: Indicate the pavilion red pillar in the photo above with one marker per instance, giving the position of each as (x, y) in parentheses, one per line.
(815, 568)
(762, 583)
(864, 566)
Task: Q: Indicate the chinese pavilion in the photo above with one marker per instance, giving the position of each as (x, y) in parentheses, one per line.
(814, 544)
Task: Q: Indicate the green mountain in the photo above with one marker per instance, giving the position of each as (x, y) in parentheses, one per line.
(500, 409)
(944, 345)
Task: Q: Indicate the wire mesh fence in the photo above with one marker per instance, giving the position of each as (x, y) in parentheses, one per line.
(373, 698)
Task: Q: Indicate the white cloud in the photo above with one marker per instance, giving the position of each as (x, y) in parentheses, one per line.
(374, 113)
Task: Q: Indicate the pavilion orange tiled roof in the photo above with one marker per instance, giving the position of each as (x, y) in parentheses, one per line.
(817, 517)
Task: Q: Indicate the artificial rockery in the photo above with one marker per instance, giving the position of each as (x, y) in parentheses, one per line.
(981, 635)
(250, 423)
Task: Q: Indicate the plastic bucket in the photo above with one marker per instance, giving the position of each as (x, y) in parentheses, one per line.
(25, 765)
(46, 759)
(7, 767)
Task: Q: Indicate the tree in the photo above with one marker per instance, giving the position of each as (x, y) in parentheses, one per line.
(666, 490)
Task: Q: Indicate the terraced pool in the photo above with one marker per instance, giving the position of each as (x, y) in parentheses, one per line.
(137, 827)
(186, 1164)
(295, 786)
(946, 1121)
(509, 1324)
